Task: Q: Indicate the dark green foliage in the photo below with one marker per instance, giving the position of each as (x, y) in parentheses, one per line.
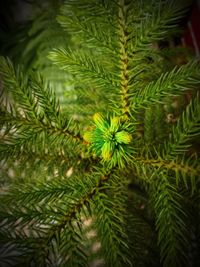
(111, 176)
(31, 34)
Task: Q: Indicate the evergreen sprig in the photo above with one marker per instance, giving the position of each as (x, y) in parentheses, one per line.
(187, 128)
(175, 82)
(82, 66)
(158, 22)
(170, 221)
(111, 158)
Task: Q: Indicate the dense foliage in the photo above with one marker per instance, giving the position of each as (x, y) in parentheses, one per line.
(110, 178)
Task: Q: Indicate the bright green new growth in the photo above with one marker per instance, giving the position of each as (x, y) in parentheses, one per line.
(109, 140)
(107, 177)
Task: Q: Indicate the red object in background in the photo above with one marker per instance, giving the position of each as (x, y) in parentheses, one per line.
(191, 37)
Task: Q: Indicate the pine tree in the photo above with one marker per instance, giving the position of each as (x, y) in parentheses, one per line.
(111, 177)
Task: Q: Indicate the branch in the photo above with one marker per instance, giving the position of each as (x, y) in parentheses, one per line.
(57, 204)
(181, 169)
(171, 83)
(159, 22)
(124, 59)
(93, 30)
(84, 67)
(187, 128)
(170, 222)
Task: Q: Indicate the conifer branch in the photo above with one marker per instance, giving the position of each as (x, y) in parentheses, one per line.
(175, 82)
(171, 165)
(35, 228)
(27, 135)
(170, 221)
(65, 203)
(117, 70)
(84, 67)
(112, 231)
(92, 30)
(159, 22)
(38, 117)
(16, 86)
(32, 97)
(124, 60)
(187, 128)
